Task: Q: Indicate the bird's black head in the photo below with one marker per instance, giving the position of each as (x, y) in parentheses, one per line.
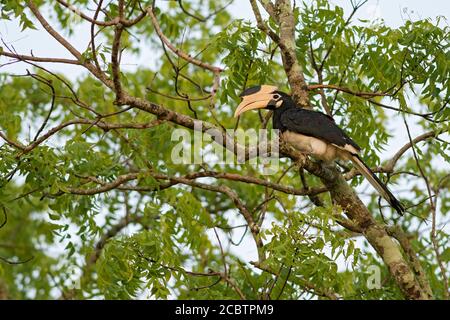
(261, 97)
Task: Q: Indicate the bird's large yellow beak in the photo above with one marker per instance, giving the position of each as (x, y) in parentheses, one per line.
(258, 100)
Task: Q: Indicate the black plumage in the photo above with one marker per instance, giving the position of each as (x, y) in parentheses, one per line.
(310, 123)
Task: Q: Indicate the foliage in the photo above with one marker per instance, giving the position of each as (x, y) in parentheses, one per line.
(153, 237)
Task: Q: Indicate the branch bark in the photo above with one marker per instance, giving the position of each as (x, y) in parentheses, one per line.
(294, 72)
(341, 193)
(23, 57)
(183, 55)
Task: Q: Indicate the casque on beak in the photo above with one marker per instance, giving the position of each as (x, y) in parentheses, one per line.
(255, 98)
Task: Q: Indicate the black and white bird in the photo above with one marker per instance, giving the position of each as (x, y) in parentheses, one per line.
(312, 133)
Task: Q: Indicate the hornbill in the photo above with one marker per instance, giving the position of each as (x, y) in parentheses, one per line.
(311, 132)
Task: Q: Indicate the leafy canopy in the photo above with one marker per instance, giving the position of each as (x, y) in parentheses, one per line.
(152, 237)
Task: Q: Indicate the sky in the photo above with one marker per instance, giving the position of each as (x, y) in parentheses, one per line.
(393, 12)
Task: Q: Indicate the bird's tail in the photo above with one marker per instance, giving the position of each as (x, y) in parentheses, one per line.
(377, 184)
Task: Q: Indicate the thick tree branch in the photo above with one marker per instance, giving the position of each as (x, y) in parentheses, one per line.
(405, 243)
(98, 123)
(318, 70)
(341, 193)
(310, 287)
(96, 72)
(92, 42)
(375, 233)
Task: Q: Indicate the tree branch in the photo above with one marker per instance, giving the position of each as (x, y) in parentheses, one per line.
(389, 167)
(22, 57)
(294, 72)
(96, 72)
(178, 52)
(115, 21)
(115, 63)
(404, 242)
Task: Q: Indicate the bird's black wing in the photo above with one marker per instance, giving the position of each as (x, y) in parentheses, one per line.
(315, 124)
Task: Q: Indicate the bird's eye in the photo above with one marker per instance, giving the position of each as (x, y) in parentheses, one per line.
(276, 96)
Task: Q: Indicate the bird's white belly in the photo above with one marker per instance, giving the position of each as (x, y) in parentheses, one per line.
(312, 146)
